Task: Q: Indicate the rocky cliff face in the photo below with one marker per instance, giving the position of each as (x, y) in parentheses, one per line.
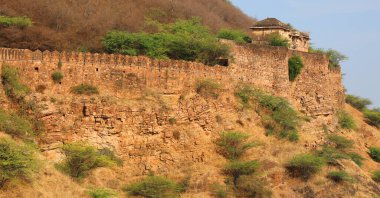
(153, 118)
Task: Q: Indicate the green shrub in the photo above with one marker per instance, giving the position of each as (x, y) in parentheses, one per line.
(57, 76)
(238, 168)
(154, 187)
(182, 40)
(12, 86)
(208, 88)
(233, 144)
(374, 152)
(245, 93)
(84, 89)
(15, 125)
(17, 161)
(346, 121)
(295, 66)
(304, 165)
(251, 186)
(172, 121)
(340, 143)
(372, 117)
(376, 176)
(234, 35)
(331, 155)
(358, 159)
(21, 22)
(334, 56)
(358, 102)
(339, 176)
(275, 39)
(278, 116)
(82, 158)
(101, 193)
(219, 191)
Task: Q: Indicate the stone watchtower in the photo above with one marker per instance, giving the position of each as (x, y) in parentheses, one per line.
(298, 40)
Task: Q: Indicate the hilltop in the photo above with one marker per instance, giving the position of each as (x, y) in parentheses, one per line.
(80, 25)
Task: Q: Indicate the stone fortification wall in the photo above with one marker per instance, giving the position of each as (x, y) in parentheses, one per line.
(317, 91)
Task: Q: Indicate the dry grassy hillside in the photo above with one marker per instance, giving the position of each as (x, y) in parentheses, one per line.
(73, 25)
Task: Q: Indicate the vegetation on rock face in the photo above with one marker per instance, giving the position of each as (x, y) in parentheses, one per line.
(346, 121)
(234, 35)
(374, 153)
(337, 148)
(219, 191)
(85, 89)
(372, 117)
(340, 142)
(339, 176)
(183, 40)
(252, 186)
(335, 57)
(21, 22)
(82, 158)
(295, 66)
(208, 88)
(278, 116)
(376, 176)
(101, 193)
(12, 86)
(17, 162)
(358, 102)
(57, 76)
(278, 40)
(154, 187)
(233, 144)
(15, 125)
(305, 165)
(238, 168)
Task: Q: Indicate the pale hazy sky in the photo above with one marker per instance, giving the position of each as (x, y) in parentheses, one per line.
(349, 26)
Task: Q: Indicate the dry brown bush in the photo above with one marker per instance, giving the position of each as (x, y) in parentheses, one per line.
(80, 24)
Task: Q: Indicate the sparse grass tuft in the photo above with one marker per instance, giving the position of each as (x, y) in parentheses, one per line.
(376, 176)
(340, 143)
(12, 86)
(374, 152)
(17, 161)
(82, 158)
(101, 193)
(304, 165)
(85, 89)
(252, 186)
(154, 187)
(339, 176)
(372, 117)
(233, 144)
(278, 116)
(57, 76)
(16, 125)
(208, 88)
(219, 191)
(358, 102)
(346, 121)
(238, 168)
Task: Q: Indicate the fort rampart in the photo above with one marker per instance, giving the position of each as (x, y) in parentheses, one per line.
(317, 90)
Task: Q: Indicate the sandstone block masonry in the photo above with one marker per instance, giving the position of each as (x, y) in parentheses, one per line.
(317, 90)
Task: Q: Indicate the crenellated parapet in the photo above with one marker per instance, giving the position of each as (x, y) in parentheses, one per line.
(317, 90)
